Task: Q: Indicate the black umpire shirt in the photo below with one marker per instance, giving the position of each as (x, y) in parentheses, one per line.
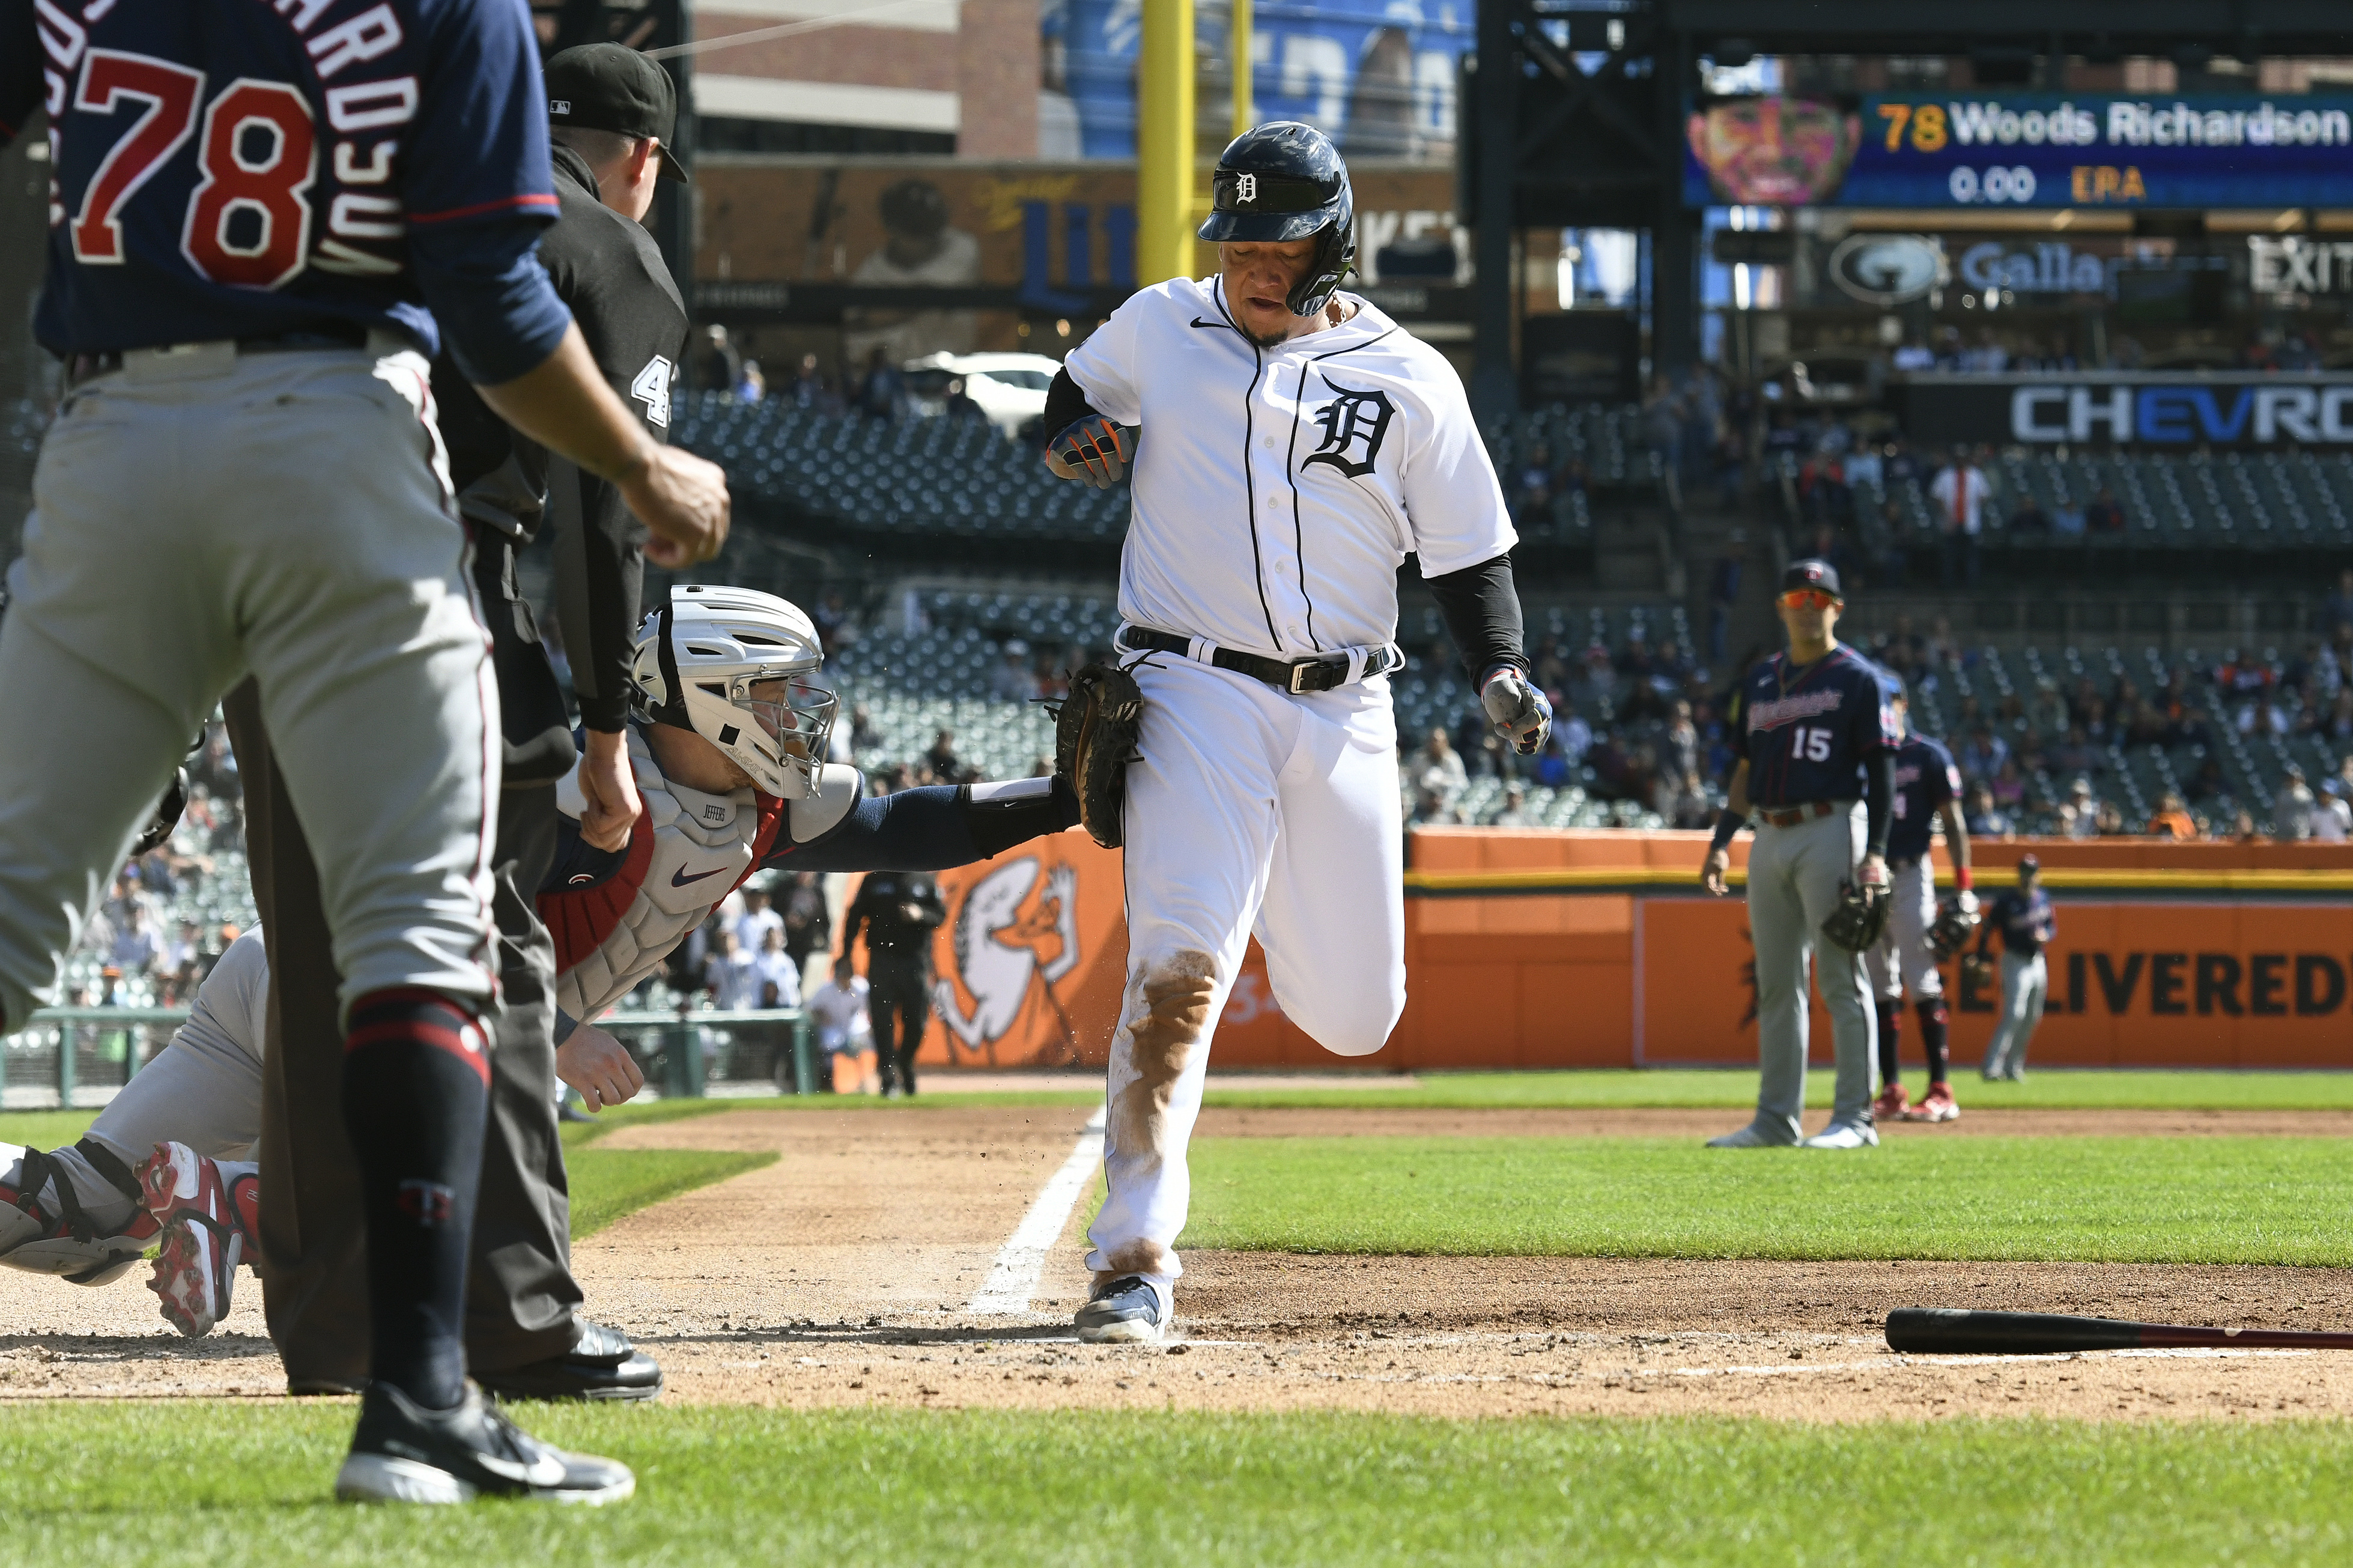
(610, 272)
(900, 911)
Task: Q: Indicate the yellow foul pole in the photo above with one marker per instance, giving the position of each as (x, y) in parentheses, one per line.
(1238, 46)
(1164, 143)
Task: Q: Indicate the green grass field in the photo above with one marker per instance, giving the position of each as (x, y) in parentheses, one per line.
(2190, 1200)
(192, 1482)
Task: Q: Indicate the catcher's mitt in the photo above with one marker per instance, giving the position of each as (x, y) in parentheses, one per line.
(1862, 915)
(1951, 933)
(1095, 740)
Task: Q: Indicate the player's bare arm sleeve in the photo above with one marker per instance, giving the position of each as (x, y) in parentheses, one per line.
(1878, 800)
(934, 828)
(1481, 609)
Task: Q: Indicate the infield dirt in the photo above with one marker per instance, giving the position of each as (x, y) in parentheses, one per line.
(839, 1275)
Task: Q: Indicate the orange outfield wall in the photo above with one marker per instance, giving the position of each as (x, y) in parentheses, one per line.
(1547, 949)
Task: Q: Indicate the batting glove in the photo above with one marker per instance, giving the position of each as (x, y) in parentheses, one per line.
(1095, 448)
(1518, 711)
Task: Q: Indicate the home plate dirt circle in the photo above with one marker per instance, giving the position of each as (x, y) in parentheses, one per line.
(845, 1275)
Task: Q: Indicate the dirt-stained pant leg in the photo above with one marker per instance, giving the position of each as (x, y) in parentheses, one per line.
(1199, 827)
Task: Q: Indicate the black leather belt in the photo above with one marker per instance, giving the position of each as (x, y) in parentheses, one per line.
(1298, 677)
(342, 336)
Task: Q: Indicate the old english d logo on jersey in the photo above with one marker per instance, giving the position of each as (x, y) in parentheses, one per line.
(1351, 417)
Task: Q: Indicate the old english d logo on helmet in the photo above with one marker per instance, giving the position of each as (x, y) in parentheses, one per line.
(1285, 181)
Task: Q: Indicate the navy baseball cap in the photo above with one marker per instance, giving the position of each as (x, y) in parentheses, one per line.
(1891, 687)
(1810, 572)
(611, 87)
(2031, 863)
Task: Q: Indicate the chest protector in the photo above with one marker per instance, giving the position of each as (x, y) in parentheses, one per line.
(687, 852)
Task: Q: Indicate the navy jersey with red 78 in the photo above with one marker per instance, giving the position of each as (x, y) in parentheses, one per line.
(1806, 731)
(252, 168)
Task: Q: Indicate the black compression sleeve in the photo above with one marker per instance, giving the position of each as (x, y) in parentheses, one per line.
(1482, 612)
(1004, 819)
(1065, 405)
(1878, 800)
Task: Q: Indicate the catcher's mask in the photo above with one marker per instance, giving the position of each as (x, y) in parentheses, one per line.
(732, 666)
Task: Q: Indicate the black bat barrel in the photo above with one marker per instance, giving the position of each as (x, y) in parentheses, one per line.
(1951, 1330)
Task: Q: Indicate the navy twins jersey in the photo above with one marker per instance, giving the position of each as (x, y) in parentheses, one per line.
(1925, 779)
(1805, 732)
(251, 168)
(2026, 919)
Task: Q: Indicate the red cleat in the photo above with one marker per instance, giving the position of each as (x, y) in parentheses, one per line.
(1891, 1104)
(1936, 1105)
(208, 1215)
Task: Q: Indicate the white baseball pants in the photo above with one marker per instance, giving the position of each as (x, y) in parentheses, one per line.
(1251, 811)
(1793, 885)
(205, 513)
(1901, 961)
(2025, 984)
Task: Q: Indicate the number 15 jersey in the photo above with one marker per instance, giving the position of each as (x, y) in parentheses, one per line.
(252, 168)
(1807, 728)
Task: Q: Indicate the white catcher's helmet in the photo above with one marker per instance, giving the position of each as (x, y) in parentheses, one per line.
(695, 663)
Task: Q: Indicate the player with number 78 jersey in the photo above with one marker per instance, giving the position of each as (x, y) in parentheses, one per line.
(265, 216)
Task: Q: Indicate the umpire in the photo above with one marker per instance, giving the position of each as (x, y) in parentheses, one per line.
(612, 112)
(899, 910)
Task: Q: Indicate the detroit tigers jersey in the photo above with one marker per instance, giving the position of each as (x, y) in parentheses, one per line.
(1925, 779)
(1806, 731)
(249, 168)
(1277, 489)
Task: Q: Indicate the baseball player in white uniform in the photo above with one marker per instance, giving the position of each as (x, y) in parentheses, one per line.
(1297, 445)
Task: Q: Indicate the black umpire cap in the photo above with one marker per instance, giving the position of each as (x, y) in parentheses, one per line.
(611, 87)
(1810, 572)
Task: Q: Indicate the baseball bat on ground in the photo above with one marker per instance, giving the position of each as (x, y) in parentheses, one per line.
(1948, 1330)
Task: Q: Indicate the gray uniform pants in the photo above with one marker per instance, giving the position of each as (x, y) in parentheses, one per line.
(202, 514)
(2025, 982)
(1793, 885)
(520, 1293)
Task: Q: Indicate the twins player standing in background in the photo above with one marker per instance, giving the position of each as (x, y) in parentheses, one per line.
(2027, 922)
(1927, 788)
(1817, 749)
(263, 222)
(1297, 445)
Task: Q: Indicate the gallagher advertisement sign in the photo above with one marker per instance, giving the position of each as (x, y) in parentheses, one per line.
(2126, 408)
(2045, 149)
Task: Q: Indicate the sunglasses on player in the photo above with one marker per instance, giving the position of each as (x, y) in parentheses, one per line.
(1808, 599)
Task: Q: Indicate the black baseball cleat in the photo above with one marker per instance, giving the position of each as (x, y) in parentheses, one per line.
(404, 1453)
(602, 1364)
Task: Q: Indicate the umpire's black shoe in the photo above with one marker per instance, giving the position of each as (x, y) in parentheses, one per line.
(404, 1453)
(601, 1364)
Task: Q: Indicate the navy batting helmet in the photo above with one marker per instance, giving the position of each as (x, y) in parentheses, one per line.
(1285, 181)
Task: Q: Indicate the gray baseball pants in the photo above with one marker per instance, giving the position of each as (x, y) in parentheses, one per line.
(202, 514)
(1793, 885)
(2025, 983)
(1902, 961)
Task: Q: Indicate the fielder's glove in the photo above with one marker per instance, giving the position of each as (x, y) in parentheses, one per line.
(1095, 448)
(1518, 711)
(1860, 919)
(1955, 921)
(1095, 740)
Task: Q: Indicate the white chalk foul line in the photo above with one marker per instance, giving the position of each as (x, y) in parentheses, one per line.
(1019, 1261)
